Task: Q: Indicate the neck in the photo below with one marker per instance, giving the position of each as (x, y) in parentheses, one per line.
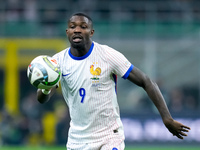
(80, 51)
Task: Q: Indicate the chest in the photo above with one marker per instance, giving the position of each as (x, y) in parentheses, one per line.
(92, 71)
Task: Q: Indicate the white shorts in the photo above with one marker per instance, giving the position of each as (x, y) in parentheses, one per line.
(111, 144)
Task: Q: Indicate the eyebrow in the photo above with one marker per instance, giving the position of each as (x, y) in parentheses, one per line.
(89, 23)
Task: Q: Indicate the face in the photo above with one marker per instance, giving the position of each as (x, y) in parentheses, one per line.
(79, 31)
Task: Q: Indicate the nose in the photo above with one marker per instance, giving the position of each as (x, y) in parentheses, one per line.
(77, 29)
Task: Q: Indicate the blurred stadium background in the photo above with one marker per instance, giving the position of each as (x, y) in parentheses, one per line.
(161, 37)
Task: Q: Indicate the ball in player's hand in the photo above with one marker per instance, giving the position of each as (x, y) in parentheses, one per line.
(44, 72)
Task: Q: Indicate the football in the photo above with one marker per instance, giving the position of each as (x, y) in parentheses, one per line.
(43, 72)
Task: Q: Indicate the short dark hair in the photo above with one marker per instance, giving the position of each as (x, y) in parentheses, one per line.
(82, 14)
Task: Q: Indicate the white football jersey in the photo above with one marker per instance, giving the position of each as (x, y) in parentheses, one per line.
(89, 88)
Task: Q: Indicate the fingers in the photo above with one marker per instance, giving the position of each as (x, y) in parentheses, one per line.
(181, 131)
(177, 129)
(186, 127)
(183, 134)
(184, 130)
(179, 136)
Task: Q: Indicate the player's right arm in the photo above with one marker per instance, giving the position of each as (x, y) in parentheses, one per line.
(45, 95)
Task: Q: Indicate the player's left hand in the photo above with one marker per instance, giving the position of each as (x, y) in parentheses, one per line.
(177, 128)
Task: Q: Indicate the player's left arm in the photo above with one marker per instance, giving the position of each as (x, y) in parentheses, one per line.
(141, 79)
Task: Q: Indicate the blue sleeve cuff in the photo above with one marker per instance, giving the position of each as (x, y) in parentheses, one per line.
(128, 72)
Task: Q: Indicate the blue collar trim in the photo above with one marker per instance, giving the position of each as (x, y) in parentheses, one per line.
(82, 57)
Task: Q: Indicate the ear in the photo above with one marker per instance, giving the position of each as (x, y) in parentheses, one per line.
(91, 33)
(66, 32)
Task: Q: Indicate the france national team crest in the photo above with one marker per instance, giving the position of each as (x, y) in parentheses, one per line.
(96, 72)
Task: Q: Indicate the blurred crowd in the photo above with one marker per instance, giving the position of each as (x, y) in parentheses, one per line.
(36, 17)
(183, 100)
(37, 10)
(35, 123)
(28, 126)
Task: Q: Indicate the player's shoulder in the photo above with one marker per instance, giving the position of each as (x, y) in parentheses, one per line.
(103, 48)
(61, 53)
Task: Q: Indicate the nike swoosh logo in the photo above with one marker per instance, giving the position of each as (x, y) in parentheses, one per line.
(66, 74)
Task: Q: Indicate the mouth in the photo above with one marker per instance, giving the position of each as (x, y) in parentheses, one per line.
(77, 38)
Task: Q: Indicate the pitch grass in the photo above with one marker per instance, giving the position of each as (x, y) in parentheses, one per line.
(127, 148)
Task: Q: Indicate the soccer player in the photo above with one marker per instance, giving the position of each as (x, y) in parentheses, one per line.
(88, 80)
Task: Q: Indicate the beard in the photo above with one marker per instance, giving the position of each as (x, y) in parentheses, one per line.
(77, 45)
